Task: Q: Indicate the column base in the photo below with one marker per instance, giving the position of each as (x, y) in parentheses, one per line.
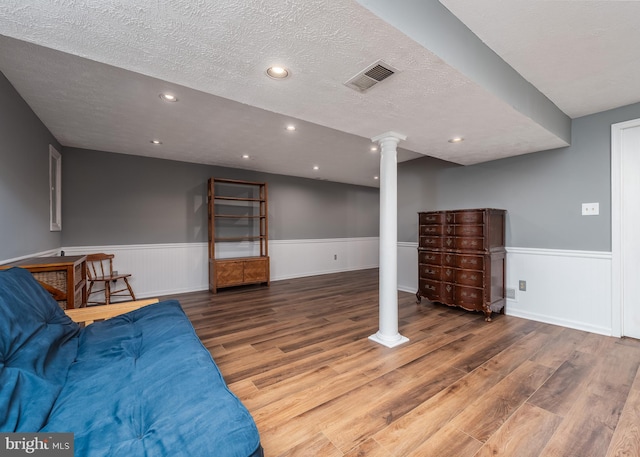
(389, 342)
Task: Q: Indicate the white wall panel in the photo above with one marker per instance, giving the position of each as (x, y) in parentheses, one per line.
(568, 288)
(165, 269)
(298, 258)
(408, 267)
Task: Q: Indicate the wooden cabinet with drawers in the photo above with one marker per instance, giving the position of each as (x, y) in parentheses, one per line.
(462, 259)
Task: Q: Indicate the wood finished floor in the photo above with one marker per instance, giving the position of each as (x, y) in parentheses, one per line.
(298, 356)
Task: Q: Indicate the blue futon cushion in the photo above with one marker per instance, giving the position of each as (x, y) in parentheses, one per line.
(38, 342)
(144, 385)
(140, 384)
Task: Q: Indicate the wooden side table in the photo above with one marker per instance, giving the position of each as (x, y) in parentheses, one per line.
(65, 277)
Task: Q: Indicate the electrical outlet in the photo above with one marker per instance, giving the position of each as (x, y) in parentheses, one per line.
(522, 285)
(590, 209)
(511, 293)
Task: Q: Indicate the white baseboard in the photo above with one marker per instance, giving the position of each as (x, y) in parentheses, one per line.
(567, 288)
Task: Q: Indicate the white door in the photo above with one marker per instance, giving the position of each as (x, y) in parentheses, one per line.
(628, 137)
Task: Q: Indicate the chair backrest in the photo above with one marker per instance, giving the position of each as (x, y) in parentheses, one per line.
(99, 265)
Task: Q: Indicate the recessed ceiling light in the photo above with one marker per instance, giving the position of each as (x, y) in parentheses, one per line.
(277, 72)
(169, 97)
(291, 127)
(457, 139)
(374, 148)
(375, 177)
(156, 142)
(246, 156)
(315, 167)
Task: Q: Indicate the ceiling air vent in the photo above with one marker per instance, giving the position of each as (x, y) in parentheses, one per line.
(371, 76)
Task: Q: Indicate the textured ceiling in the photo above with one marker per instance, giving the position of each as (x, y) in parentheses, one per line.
(92, 71)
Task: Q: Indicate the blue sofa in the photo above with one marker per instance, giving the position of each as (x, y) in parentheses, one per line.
(140, 384)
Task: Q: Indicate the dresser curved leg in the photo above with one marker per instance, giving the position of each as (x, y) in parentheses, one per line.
(487, 315)
(418, 298)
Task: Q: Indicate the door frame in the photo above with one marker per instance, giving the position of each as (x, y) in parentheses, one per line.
(617, 212)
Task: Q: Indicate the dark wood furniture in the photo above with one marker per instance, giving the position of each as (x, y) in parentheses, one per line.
(462, 259)
(100, 272)
(64, 277)
(238, 218)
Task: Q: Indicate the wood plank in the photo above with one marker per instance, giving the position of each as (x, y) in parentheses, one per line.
(626, 438)
(525, 434)
(484, 416)
(561, 391)
(588, 429)
(447, 442)
(414, 428)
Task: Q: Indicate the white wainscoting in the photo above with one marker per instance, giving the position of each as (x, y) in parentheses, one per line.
(567, 288)
(298, 258)
(408, 267)
(165, 269)
(157, 269)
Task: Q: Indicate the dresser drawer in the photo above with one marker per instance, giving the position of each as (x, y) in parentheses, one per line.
(438, 242)
(468, 217)
(470, 278)
(436, 291)
(437, 258)
(430, 272)
(468, 230)
(469, 297)
(469, 243)
(429, 230)
(429, 257)
(437, 273)
(469, 262)
(432, 218)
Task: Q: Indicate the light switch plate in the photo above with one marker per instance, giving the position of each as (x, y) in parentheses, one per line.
(590, 209)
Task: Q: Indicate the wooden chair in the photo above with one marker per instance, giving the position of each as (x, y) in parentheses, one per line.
(100, 272)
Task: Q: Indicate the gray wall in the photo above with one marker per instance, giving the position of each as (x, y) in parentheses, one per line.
(543, 192)
(24, 178)
(121, 199)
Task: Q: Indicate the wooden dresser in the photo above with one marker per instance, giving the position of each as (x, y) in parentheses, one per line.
(462, 259)
(64, 277)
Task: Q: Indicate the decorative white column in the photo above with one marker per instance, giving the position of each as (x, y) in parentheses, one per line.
(388, 334)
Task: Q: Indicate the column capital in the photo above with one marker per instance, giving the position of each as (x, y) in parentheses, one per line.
(390, 136)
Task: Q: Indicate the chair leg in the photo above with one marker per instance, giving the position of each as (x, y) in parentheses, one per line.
(107, 293)
(89, 291)
(133, 297)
